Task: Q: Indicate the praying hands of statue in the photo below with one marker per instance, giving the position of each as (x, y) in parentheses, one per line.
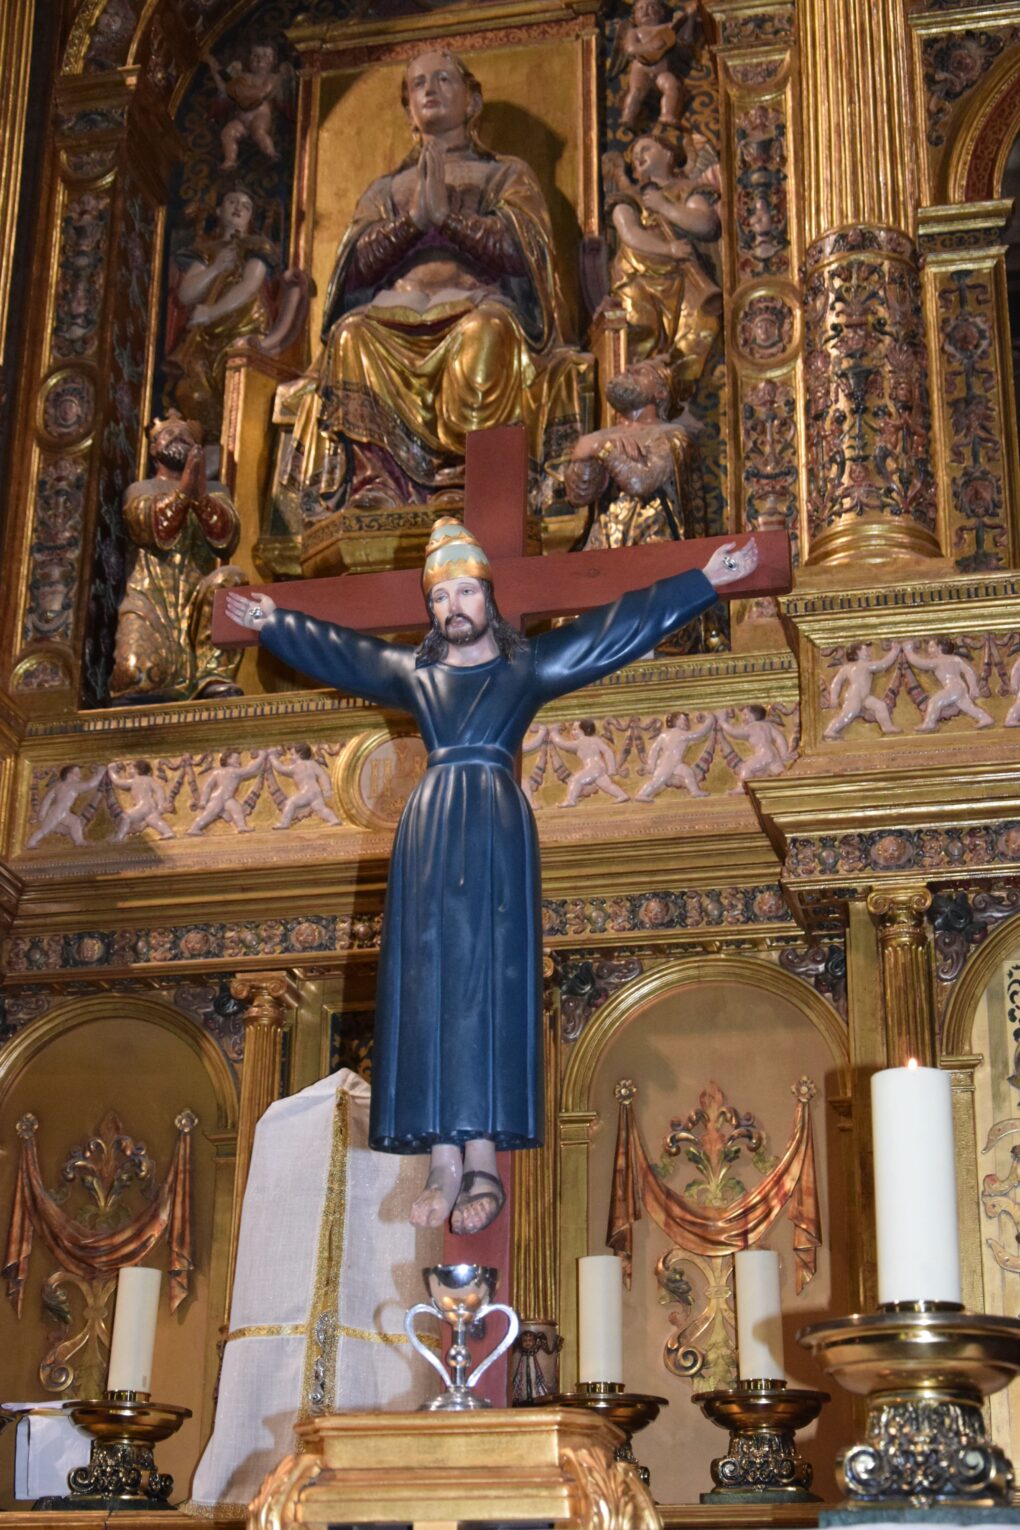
(193, 480)
(430, 202)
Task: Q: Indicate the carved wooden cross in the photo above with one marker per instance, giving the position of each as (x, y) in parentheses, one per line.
(495, 501)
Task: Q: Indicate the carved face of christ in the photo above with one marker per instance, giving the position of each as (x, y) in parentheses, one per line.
(458, 606)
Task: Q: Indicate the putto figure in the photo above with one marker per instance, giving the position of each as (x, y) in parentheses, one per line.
(958, 686)
(442, 314)
(652, 47)
(149, 800)
(181, 529)
(57, 813)
(253, 90)
(851, 684)
(666, 761)
(457, 1061)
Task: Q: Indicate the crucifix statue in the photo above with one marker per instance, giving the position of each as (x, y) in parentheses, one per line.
(457, 1060)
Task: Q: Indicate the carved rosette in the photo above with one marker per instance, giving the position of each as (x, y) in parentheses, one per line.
(869, 484)
(925, 1452)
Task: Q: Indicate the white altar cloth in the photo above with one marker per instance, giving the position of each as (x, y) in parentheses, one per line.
(327, 1265)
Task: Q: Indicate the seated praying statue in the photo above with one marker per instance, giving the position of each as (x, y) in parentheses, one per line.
(457, 1056)
(442, 316)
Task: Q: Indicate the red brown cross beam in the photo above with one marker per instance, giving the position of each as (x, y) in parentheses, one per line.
(495, 509)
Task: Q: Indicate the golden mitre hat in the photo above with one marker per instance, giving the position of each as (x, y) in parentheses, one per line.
(453, 552)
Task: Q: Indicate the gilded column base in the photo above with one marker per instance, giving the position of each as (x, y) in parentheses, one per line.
(552, 1466)
(876, 541)
(924, 1373)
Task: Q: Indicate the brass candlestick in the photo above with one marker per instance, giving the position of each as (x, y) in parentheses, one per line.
(761, 1464)
(629, 1411)
(121, 1474)
(925, 1368)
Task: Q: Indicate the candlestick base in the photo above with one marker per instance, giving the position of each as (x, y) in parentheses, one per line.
(924, 1369)
(629, 1411)
(121, 1475)
(762, 1464)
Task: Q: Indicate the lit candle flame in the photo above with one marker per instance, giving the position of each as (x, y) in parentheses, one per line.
(911, 1062)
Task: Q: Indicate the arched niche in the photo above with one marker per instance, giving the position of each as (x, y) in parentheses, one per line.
(140, 1058)
(752, 1028)
(981, 1041)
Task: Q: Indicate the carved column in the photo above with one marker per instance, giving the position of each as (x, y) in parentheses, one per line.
(870, 492)
(906, 974)
(83, 385)
(270, 998)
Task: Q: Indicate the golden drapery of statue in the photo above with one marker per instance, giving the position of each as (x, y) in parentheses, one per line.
(180, 527)
(661, 273)
(442, 316)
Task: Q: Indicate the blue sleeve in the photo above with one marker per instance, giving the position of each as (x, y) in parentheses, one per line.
(607, 637)
(349, 661)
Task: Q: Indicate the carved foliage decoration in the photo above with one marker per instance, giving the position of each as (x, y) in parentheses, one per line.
(769, 431)
(55, 549)
(953, 65)
(904, 850)
(711, 1215)
(762, 206)
(867, 395)
(974, 426)
(108, 1212)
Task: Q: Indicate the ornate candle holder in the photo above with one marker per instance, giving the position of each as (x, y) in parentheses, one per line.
(121, 1474)
(461, 1295)
(629, 1411)
(925, 1368)
(761, 1464)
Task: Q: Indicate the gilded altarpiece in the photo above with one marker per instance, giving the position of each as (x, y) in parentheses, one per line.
(807, 865)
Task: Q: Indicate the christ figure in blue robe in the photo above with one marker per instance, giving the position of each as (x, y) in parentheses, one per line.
(457, 1055)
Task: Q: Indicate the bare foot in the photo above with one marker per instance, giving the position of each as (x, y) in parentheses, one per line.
(433, 1206)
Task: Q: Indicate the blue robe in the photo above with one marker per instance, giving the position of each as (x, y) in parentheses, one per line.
(458, 1045)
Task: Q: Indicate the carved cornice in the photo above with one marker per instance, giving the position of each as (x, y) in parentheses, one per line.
(954, 797)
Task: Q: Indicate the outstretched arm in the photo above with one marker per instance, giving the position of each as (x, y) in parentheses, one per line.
(337, 656)
(607, 637)
(879, 666)
(916, 660)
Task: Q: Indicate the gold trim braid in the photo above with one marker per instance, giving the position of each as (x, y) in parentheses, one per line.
(328, 1260)
(268, 1331)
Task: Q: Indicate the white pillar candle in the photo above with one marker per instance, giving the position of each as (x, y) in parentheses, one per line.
(759, 1316)
(600, 1318)
(915, 1185)
(134, 1330)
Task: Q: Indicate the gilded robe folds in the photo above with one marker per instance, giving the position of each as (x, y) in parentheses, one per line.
(164, 648)
(410, 380)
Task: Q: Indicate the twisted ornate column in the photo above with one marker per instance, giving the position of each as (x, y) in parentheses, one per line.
(906, 974)
(270, 998)
(870, 491)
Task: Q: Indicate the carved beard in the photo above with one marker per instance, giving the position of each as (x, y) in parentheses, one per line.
(173, 454)
(628, 393)
(464, 634)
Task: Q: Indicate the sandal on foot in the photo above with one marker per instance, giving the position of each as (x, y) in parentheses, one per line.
(492, 1190)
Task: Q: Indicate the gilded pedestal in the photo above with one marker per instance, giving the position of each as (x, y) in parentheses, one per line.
(552, 1466)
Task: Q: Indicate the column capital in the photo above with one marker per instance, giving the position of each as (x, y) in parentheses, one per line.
(899, 913)
(269, 997)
